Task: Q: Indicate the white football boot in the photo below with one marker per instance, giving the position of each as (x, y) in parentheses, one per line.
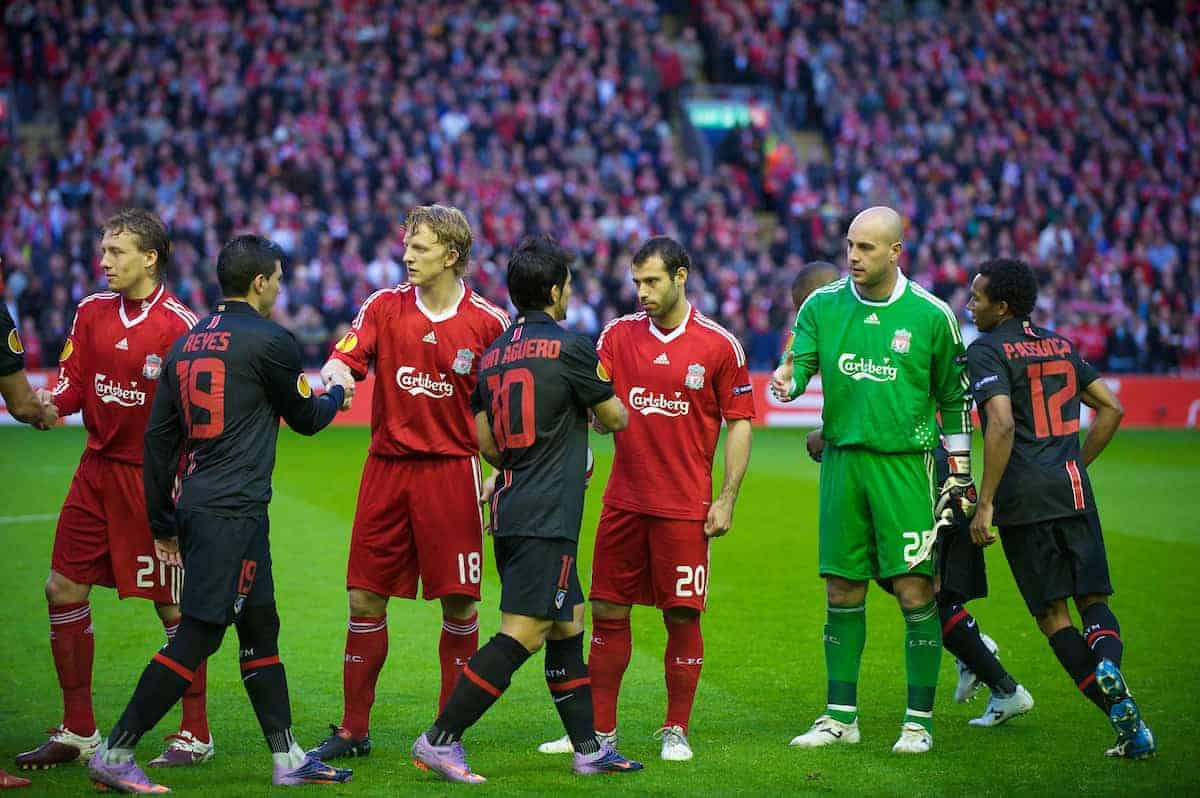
(914, 739)
(675, 746)
(1000, 709)
(827, 731)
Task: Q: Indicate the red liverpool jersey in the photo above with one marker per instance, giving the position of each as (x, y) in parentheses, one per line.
(678, 384)
(110, 365)
(426, 366)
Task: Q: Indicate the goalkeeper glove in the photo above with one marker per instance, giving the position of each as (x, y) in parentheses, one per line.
(957, 497)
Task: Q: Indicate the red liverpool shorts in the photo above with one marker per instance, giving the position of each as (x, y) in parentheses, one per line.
(650, 560)
(103, 536)
(418, 519)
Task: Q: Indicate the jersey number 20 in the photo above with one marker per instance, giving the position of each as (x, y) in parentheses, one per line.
(202, 387)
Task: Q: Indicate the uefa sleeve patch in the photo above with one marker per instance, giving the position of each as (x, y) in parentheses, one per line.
(741, 389)
(302, 387)
(67, 350)
(961, 360)
(14, 343)
(348, 343)
(988, 380)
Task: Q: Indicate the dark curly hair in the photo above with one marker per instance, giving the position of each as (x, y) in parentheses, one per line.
(1011, 281)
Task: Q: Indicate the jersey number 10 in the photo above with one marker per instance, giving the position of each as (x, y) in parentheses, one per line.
(192, 375)
(1047, 413)
(513, 409)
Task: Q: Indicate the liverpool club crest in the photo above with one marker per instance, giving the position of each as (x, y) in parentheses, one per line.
(900, 341)
(152, 368)
(462, 361)
(695, 377)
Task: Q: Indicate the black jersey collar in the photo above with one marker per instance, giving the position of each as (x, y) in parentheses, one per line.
(535, 317)
(234, 306)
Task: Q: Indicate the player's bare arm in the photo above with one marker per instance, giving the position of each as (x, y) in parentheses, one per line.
(1108, 417)
(997, 448)
(488, 447)
(24, 404)
(737, 457)
(611, 415)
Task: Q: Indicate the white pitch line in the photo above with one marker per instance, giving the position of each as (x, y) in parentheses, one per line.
(27, 519)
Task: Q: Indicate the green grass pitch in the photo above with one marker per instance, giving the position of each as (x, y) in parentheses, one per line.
(763, 678)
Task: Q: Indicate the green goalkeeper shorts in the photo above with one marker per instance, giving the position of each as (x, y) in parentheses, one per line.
(874, 509)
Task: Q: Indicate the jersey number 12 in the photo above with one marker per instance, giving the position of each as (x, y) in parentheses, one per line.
(1047, 413)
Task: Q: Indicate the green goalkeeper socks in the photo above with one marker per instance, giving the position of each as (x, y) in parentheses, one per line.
(922, 658)
(845, 636)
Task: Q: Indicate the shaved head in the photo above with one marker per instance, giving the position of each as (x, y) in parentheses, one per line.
(880, 223)
(873, 251)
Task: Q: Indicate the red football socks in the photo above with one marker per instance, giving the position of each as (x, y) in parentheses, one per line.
(608, 657)
(74, 648)
(683, 660)
(459, 640)
(366, 650)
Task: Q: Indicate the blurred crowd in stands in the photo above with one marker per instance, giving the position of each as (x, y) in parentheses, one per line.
(1065, 134)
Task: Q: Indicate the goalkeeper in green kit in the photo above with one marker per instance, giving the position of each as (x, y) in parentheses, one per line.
(891, 359)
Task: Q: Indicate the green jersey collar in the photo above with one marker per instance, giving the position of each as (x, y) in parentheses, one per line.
(897, 292)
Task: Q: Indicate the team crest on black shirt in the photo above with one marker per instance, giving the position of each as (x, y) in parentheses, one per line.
(462, 361)
(152, 368)
(900, 341)
(695, 377)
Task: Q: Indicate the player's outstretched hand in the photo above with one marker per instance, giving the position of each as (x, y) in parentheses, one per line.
(783, 378)
(719, 520)
(981, 525)
(335, 372)
(167, 550)
(816, 444)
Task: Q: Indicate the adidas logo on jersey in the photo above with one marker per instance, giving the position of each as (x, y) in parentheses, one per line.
(661, 360)
(123, 344)
(872, 319)
(430, 338)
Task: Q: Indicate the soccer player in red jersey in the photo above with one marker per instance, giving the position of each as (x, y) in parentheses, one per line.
(109, 369)
(680, 374)
(418, 515)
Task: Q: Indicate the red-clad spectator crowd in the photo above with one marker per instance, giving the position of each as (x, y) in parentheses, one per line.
(1065, 136)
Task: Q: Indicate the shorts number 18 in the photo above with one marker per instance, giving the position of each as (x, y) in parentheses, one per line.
(469, 567)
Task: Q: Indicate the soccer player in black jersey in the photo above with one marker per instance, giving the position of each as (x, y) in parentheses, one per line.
(537, 382)
(1028, 383)
(223, 389)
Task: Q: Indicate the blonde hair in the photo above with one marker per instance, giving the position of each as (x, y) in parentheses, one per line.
(449, 225)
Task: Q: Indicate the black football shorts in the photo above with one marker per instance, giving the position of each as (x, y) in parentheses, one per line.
(538, 577)
(226, 563)
(1057, 559)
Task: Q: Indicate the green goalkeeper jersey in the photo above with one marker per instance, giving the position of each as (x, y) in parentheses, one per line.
(887, 368)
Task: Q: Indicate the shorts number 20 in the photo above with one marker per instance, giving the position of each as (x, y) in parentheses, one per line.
(691, 581)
